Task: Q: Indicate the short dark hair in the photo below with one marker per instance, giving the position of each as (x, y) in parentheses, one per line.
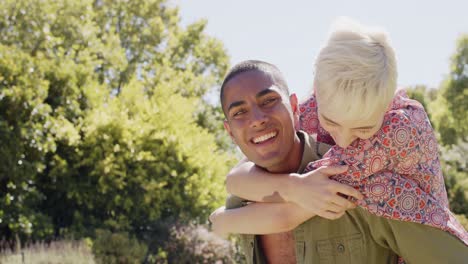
(255, 65)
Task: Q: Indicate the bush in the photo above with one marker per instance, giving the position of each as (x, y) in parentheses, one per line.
(110, 248)
(196, 244)
(104, 116)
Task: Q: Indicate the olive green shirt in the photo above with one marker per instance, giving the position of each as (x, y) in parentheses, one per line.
(358, 236)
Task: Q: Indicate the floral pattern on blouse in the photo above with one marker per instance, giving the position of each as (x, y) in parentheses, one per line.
(397, 169)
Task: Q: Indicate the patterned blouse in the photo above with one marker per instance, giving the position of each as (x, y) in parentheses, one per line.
(397, 169)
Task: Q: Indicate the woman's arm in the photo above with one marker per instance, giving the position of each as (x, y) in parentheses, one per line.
(258, 218)
(313, 190)
(255, 184)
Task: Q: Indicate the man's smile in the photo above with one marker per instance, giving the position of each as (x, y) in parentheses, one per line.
(265, 137)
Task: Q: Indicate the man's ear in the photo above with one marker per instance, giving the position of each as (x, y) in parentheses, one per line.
(228, 129)
(295, 110)
(294, 103)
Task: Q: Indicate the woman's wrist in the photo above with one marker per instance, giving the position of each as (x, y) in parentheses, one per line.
(292, 182)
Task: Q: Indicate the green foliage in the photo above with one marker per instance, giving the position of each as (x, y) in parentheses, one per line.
(24, 120)
(455, 169)
(450, 108)
(451, 121)
(115, 248)
(103, 121)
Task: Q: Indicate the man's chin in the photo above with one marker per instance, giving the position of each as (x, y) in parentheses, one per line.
(268, 161)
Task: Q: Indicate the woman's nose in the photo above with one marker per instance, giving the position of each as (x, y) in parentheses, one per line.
(344, 140)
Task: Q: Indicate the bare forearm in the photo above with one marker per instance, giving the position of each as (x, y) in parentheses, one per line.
(253, 183)
(260, 218)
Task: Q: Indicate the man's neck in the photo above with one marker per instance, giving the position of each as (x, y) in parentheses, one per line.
(280, 247)
(293, 160)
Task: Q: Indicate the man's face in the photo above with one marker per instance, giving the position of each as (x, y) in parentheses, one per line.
(261, 119)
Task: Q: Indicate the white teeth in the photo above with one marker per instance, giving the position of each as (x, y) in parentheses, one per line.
(264, 137)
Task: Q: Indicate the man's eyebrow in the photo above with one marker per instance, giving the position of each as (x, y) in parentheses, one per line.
(258, 95)
(265, 92)
(235, 104)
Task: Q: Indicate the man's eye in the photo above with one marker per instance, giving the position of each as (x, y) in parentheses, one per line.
(269, 101)
(238, 113)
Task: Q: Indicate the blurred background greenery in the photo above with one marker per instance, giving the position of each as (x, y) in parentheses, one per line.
(107, 136)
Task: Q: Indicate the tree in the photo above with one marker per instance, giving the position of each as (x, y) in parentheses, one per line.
(102, 117)
(449, 117)
(450, 108)
(455, 170)
(26, 136)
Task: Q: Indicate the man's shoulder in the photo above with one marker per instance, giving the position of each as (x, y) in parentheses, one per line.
(313, 150)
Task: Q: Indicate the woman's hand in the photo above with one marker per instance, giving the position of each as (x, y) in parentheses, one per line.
(317, 193)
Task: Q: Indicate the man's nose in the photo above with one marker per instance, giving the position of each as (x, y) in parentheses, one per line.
(258, 118)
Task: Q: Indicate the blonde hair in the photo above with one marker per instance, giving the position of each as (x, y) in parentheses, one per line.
(355, 72)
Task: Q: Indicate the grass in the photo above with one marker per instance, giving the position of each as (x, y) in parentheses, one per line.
(63, 252)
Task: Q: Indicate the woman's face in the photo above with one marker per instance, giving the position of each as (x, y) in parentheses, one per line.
(346, 130)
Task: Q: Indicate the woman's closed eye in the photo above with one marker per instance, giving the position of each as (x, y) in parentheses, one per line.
(364, 131)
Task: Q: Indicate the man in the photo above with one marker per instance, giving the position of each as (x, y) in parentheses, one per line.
(261, 118)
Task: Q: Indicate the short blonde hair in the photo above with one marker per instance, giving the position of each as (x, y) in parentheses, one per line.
(355, 72)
